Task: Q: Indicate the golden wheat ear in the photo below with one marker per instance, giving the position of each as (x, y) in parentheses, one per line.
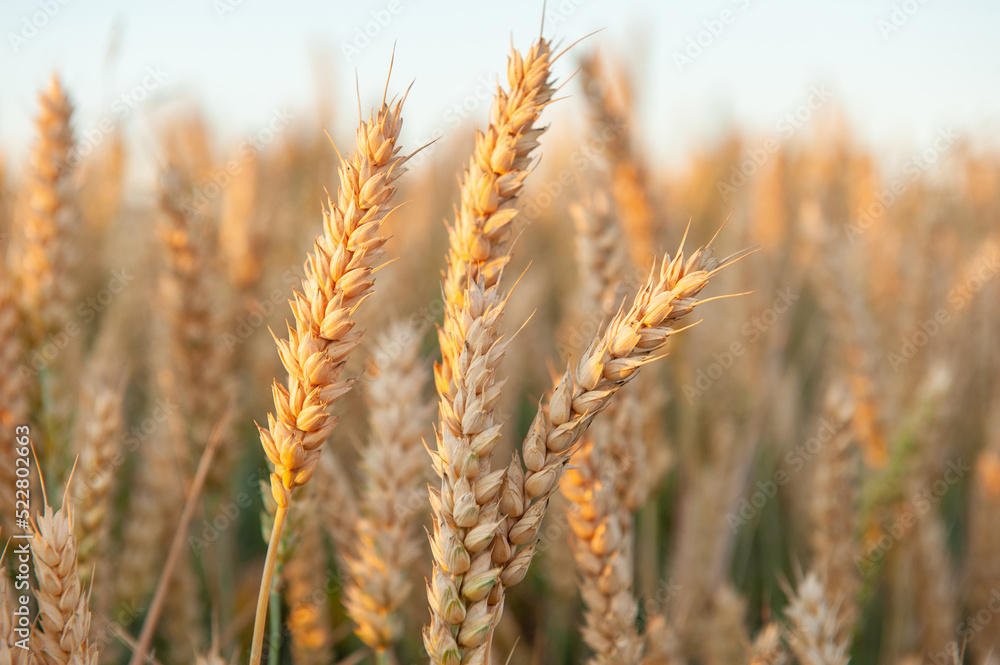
(338, 279)
(63, 601)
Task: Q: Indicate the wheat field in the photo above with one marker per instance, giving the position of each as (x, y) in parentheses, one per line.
(260, 404)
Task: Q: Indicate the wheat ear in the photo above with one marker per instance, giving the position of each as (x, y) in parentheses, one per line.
(50, 220)
(465, 508)
(63, 605)
(98, 435)
(606, 465)
(833, 508)
(198, 362)
(338, 279)
(612, 360)
(815, 635)
(393, 467)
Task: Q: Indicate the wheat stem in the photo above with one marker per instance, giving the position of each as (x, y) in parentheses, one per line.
(260, 618)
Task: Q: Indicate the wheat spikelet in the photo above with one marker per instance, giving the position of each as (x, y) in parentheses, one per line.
(387, 541)
(49, 225)
(813, 634)
(465, 509)
(64, 614)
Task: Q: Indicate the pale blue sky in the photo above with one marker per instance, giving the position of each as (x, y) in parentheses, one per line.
(941, 67)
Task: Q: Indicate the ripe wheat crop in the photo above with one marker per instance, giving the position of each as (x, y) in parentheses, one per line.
(285, 433)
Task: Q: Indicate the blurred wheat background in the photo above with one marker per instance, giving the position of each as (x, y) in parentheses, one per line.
(471, 393)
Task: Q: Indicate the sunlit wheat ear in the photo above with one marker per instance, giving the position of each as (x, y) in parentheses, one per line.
(339, 277)
(465, 508)
(612, 360)
(63, 601)
(387, 538)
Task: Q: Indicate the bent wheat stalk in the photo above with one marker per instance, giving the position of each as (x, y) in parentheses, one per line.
(338, 279)
(611, 361)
